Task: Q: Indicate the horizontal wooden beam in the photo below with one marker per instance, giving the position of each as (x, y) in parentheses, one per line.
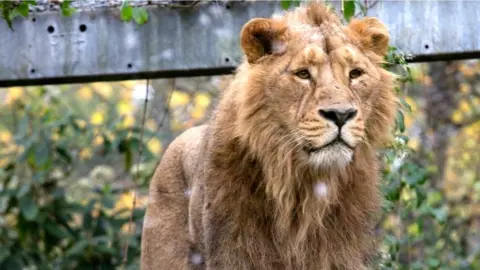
(95, 45)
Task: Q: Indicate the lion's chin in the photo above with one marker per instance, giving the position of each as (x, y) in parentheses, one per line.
(337, 156)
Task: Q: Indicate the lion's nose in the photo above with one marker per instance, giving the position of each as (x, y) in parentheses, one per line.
(338, 116)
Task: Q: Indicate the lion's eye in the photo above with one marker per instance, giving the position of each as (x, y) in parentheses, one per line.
(303, 74)
(355, 73)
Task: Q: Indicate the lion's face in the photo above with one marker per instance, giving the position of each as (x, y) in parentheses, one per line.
(320, 81)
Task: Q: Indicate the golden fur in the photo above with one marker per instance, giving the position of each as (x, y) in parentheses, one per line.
(261, 186)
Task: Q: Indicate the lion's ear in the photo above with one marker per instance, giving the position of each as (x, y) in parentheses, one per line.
(260, 37)
(372, 34)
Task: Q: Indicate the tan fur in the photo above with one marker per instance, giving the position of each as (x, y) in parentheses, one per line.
(257, 187)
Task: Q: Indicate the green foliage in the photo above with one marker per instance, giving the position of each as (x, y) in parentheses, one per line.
(286, 4)
(348, 9)
(138, 14)
(12, 9)
(66, 9)
(41, 224)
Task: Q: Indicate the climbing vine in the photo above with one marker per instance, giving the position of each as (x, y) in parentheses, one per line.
(12, 9)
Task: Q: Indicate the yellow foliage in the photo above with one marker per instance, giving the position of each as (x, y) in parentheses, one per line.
(464, 106)
(414, 143)
(151, 124)
(413, 105)
(20, 149)
(154, 145)
(85, 153)
(470, 143)
(129, 84)
(198, 112)
(5, 137)
(465, 88)
(98, 140)
(97, 118)
(476, 102)
(126, 94)
(467, 70)
(457, 117)
(81, 123)
(55, 137)
(103, 89)
(413, 229)
(85, 93)
(202, 100)
(128, 121)
(13, 94)
(176, 126)
(4, 162)
(124, 108)
(126, 201)
(179, 99)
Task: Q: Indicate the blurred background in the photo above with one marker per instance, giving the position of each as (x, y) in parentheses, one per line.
(70, 161)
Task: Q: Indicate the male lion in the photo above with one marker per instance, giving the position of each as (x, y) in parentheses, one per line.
(284, 175)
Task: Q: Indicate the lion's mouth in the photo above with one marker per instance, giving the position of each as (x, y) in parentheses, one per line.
(336, 142)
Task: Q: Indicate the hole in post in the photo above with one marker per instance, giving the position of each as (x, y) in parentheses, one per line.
(227, 6)
(34, 19)
(227, 59)
(426, 46)
(51, 29)
(32, 70)
(129, 65)
(83, 28)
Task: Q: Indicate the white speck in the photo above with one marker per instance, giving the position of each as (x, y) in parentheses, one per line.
(187, 192)
(130, 42)
(277, 15)
(139, 93)
(196, 258)
(204, 19)
(321, 189)
(164, 55)
(398, 162)
(222, 33)
(216, 10)
(400, 140)
(167, 54)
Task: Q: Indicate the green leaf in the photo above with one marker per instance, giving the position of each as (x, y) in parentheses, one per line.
(126, 13)
(286, 4)
(406, 105)
(66, 9)
(64, 154)
(108, 202)
(28, 208)
(23, 190)
(4, 254)
(140, 15)
(348, 9)
(77, 249)
(13, 262)
(432, 262)
(23, 9)
(56, 230)
(440, 214)
(400, 121)
(421, 195)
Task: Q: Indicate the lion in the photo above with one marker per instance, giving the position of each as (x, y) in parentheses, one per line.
(284, 174)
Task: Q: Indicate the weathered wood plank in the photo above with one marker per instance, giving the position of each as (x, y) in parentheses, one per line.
(95, 45)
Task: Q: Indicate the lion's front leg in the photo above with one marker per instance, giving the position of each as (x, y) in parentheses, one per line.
(222, 247)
